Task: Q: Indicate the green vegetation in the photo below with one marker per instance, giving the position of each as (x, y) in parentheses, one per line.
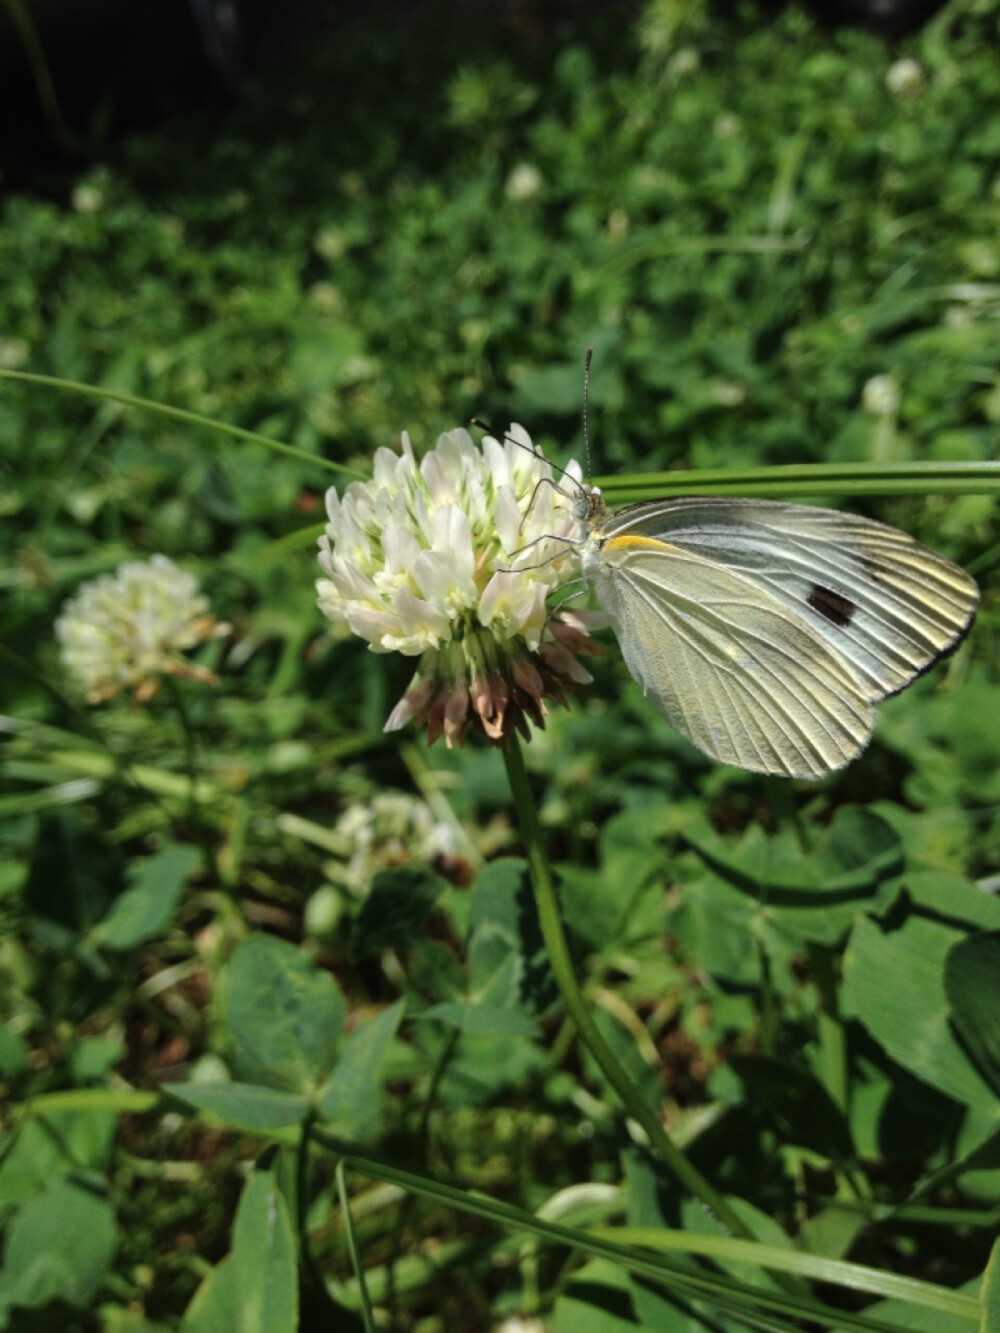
(268, 1024)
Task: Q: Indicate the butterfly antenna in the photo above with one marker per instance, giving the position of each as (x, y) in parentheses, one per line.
(586, 404)
(537, 453)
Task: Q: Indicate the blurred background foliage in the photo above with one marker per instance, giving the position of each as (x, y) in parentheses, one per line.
(783, 242)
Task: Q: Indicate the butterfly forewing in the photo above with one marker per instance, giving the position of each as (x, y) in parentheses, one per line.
(887, 605)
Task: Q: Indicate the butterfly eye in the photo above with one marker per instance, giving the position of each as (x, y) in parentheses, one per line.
(836, 608)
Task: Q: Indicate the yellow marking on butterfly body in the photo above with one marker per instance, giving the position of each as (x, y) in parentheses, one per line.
(624, 544)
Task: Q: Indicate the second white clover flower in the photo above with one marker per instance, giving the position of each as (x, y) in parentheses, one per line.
(125, 630)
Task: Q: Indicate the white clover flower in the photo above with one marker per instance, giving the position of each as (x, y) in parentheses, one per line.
(685, 61)
(392, 829)
(452, 560)
(904, 77)
(125, 630)
(87, 198)
(727, 126)
(14, 353)
(524, 182)
(881, 396)
(728, 393)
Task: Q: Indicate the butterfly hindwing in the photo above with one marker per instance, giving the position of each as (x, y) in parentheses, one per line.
(729, 663)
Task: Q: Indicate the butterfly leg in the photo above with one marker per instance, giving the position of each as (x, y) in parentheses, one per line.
(545, 537)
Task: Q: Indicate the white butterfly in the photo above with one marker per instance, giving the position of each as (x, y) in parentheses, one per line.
(765, 631)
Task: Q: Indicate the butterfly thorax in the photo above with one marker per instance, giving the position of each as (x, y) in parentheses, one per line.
(592, 513)
(590, 510)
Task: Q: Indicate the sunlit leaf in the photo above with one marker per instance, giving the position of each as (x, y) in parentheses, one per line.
(894, 983)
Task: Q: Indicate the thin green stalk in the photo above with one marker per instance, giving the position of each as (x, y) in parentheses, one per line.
(307, 1260)
(660, 247)
(302, 1187)
(984, 561)
(367, 1313)
(192, 764)
(768, 1005)
(560, 1047)
(430, 1101)
(576, 1006)
(407, 1206)
(787, 811)
(829, 1026)
(41, 73)
(190, 746)
(179, 414)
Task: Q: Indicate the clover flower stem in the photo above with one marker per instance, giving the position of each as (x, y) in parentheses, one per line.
(192, 766)
(557, 948)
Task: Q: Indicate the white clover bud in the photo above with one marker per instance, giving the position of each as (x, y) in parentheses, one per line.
(880, 396)
(452, 560)
(524, 182)
(125, 630)
(904, 77)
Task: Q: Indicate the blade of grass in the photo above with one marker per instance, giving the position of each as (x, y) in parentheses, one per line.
(159, 781)
(60, 793)
(291, 541)
(855, 1276)
(179, 414)
(658, 247)
(826, 479)
(700, 1284)
(72, 570)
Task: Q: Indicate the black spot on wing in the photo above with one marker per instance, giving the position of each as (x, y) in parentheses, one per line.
(833, 606)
